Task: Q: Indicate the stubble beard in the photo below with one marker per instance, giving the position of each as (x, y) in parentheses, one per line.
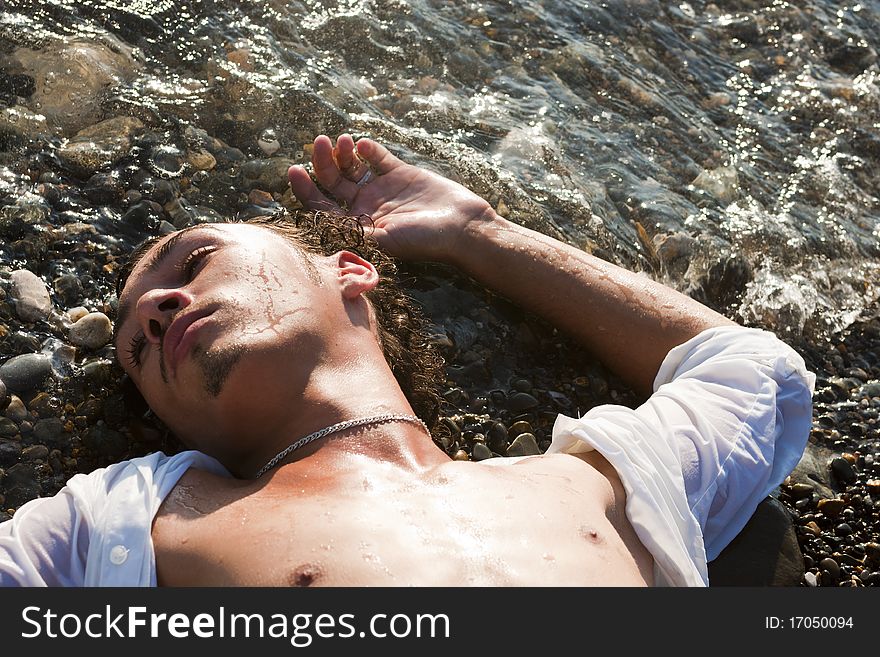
(217, 365)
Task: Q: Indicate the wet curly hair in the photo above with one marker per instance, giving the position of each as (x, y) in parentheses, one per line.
(402, 328)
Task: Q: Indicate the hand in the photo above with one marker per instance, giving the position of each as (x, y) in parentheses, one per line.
(417, 214)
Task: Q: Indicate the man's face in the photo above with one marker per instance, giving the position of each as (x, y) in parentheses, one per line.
(219, 321)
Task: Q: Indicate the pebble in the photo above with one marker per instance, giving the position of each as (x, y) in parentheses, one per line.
(810, 579)
(518, 427)
(831, 507)
(461, 455)
(34, 452)
(100, 145)
(8, 428)
(4, 397)
(843, 470)
(49, 430)
(830, 565)
(872, 551)
(843, 529)
(25, 372)
(524, 445)
(799, 490)
(32, 301)
(69, 288)
(481, 452)
(16, 410)
(91, 331)
(521, 401)
(497, 436)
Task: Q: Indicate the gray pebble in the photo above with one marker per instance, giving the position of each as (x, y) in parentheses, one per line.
(69, 288)
(481, 452)
(8, 428)
(10, 453)
(92, 331)
(524, 445)
(799, 490)
(497, 437)
(49, 430)
(843, 470)
(3, 395)
(25, 372)
(32, 302)
(34, 452)
(16, 410)
(519, 427)
(810, 579)
(831, 566)
(843, 529)
(521, 401)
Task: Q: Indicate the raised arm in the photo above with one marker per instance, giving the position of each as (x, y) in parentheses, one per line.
(627, 320)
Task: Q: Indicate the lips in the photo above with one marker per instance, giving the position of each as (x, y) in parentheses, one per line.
(180, 336)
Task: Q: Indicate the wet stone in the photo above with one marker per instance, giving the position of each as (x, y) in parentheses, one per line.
(104, 189)
(25, 372)
(481, 452)
(831, 566)
(524, 445)
(269, 174)
(4, 397)
(832, 507)
(10, 453)
(32, 301)
(799, 491)
(521, 401)
(16, 410)
(49, 430)
(843, 529)
(45, 405)
(461, 455)
(99, 146)
(843, 470)
(519, 427)
(497, 437)
(68, 288)
(8, 428)
(21, 485)
(35, 452)
(105, 442)
(92, 331)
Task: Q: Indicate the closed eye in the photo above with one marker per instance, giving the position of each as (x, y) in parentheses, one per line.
(135, 346)
(191, 262)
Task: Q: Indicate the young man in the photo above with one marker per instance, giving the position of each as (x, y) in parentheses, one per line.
(308, 466)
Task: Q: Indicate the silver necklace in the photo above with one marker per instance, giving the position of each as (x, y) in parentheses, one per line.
(333, 428)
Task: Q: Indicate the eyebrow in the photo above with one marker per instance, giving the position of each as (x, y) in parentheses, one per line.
(156, 261)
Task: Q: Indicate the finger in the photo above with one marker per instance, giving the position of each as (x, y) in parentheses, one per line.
(377, 156)
(327, 171)
(350, 165)
(307, 192)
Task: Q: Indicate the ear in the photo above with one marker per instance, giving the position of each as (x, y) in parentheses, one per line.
(356, 276)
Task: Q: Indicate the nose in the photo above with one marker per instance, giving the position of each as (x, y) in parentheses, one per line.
(156, 310)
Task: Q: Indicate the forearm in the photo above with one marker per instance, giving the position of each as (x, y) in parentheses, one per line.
(627, 320)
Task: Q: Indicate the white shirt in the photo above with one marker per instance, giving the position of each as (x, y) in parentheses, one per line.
(728, 420)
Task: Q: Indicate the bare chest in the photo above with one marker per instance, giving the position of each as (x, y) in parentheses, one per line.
(455, 526)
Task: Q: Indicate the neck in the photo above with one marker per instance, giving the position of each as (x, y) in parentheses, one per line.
(369, 390)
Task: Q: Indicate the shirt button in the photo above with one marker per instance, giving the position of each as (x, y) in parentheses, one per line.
(118, 555)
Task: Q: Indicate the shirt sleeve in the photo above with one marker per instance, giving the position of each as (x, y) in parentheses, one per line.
(728, 419)
(45, 543)
(738, 404)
